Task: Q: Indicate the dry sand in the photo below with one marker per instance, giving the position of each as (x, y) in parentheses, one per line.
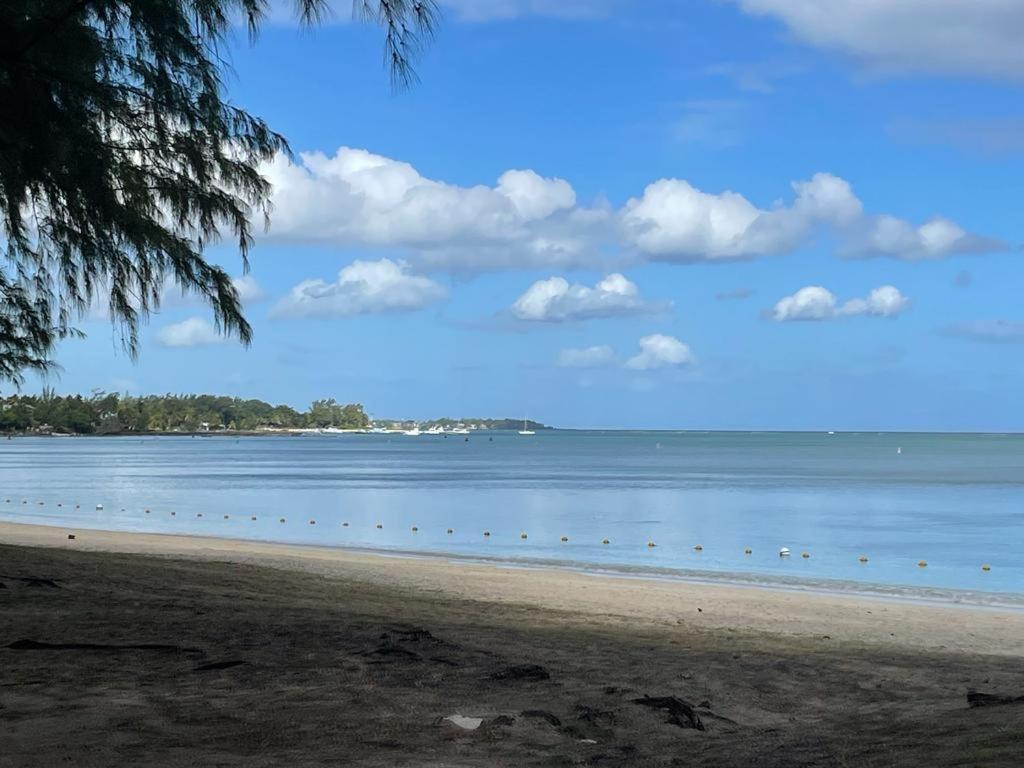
(350, 658)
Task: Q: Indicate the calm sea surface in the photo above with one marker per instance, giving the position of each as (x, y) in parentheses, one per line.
(956, 501)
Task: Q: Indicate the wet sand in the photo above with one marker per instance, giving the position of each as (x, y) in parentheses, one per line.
(152, 650)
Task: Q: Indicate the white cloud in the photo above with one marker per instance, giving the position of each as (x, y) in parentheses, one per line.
(817, 303)
(587, 357)
(555, 300)
(957, 37)
(935, 239)
(248, 289)
(357, 198)
(673, 221)
(363, 287)
(659, 351)
(193, 332)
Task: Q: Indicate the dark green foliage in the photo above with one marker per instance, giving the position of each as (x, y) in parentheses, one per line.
(121, 159)
(104, 413)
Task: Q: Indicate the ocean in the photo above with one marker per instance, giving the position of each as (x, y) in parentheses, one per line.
(955, 501)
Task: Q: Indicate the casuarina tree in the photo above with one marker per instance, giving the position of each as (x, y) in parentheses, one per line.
(122, 158)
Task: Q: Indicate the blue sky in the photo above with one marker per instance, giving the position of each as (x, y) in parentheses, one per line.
(739, 214)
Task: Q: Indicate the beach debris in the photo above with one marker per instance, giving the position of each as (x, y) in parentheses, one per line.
(25, 501)
(199, 514)
(78, 506)
(216, 665)
(565, 538)
(784, 552)
(36, 645)
(253, 517)
(43, 504)
(173, 514)
(651, 544)
(540, 714)
(226, 517)
(805, 555)
(281, 520)
(748, 551)
(863, 558)
(522, 535)
(61, 505)
(594, 716)
(680, 712)
(344, 525)
(922, 564)
(525, 672)
(986, 567)
(975, 699)
(698, 548)
(71, 537)
(465, 723)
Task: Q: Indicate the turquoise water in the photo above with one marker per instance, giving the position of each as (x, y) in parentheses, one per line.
(956, 501)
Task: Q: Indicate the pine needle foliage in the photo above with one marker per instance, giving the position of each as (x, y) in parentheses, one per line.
(122, 159)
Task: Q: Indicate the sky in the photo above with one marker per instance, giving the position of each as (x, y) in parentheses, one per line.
(701, 214)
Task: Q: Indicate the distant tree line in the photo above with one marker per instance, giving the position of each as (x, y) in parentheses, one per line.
(109, 413)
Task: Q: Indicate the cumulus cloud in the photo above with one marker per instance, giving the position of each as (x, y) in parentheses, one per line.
(660, 351)
(980, 37)
(817, 303)
(673, 221)
(587, 357)
(356, 198)
(248, 289)
(525, 220)
(1004, 331)
(363, 287)
(554, 300)
(193, 332)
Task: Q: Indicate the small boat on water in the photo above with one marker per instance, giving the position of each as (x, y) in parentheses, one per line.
(437, 429)
(414, 432)
(525, 431)
(784, 552)
(460, 430)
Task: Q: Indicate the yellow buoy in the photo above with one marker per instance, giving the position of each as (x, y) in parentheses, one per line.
(863, 558)
(986, 567)
(698, 548)
(922, 564)
(805, 555)
(565, 538)
(605, 541)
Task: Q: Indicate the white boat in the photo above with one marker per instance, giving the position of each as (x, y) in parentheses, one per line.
(525, 431)
(784, 552)
(460, 430)
(437, 429)
(414, 432)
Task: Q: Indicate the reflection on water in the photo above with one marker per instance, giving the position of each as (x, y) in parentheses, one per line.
(954, 501)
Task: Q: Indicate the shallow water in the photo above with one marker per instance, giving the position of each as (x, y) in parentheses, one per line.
(955, 501)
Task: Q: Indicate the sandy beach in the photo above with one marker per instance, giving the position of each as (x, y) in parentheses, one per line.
(138, 649)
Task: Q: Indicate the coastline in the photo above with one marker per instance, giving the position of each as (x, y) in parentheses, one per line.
(615, 599)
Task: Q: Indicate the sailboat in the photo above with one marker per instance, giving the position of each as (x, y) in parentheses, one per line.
(525, 431)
